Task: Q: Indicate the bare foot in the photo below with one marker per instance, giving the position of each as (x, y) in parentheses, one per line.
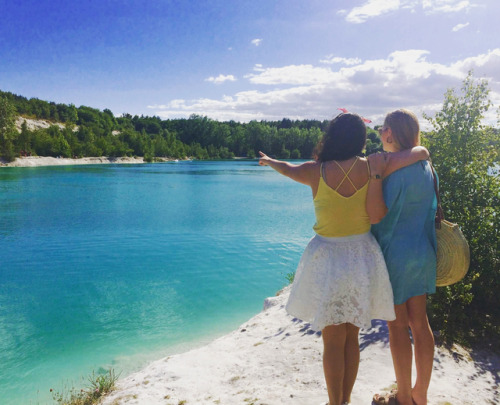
(403, 402)
(419, 398)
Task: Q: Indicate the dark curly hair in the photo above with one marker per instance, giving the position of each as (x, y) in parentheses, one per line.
(344, 138)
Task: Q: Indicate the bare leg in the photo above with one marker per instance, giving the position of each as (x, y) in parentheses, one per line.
(334, 338)
(423, 340)
(351, 361)
(399, 339)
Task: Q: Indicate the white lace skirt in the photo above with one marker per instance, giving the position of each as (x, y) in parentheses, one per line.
(341, 280)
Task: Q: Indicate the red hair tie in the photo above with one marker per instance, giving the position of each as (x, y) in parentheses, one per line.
(344, 110)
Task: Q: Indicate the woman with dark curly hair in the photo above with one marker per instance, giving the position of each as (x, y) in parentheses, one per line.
(341, 282)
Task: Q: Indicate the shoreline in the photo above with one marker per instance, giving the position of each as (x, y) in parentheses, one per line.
(276, 359)
(40, 161)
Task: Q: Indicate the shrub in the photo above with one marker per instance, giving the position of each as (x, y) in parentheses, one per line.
(463, 153)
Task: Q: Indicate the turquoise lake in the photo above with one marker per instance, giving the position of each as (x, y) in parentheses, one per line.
(113, 266)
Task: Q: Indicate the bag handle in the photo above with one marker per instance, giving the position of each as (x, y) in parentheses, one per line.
(439, 212)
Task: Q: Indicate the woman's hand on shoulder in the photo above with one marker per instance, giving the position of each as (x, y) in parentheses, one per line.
(378, 163)
(419, 153)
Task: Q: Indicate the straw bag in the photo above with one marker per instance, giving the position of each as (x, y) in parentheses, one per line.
(453, 255)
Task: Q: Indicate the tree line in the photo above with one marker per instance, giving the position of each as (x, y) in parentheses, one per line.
(90, 132)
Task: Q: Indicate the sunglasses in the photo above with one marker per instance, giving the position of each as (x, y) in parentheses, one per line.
(382, 130)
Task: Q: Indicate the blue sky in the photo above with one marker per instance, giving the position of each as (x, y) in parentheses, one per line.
(245, 60)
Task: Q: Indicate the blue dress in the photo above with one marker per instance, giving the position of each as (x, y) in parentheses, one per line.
(407, 234)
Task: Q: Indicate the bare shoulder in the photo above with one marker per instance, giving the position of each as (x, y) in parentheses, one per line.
(363, 162)
(311, 168)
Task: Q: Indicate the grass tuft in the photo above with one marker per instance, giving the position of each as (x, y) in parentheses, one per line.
(98, 385)
(289, 277)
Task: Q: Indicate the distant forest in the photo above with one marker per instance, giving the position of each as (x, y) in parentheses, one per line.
(90, 132)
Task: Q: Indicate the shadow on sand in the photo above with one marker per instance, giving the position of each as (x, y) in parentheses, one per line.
(377, 333)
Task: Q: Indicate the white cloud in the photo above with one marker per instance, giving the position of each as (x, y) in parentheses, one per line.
(293, 74)
(485, 65)
(445, 6)
(332, 59)
(458, 27)
(371, 88)
(221, 79)
(376, 8)
(372, 8)
(256, 41)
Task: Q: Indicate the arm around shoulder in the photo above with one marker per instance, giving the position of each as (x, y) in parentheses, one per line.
(375, 204)
(398, 160)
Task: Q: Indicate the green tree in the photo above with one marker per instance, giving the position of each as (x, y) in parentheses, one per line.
(60, 147)
(42, 143)
(463, 155)
(67, 113)
(284, 153)
(295, 154)
(238, 144)
(8, 132)
(24, 140)
(312, 137)
(373, 142)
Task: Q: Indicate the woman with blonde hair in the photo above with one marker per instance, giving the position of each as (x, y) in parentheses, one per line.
(402, 207)
(341, 282)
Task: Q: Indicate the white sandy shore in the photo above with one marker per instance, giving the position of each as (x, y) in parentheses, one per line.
(275, 359)
(37, 161)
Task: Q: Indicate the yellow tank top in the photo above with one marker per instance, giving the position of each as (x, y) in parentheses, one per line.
(337, 215)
